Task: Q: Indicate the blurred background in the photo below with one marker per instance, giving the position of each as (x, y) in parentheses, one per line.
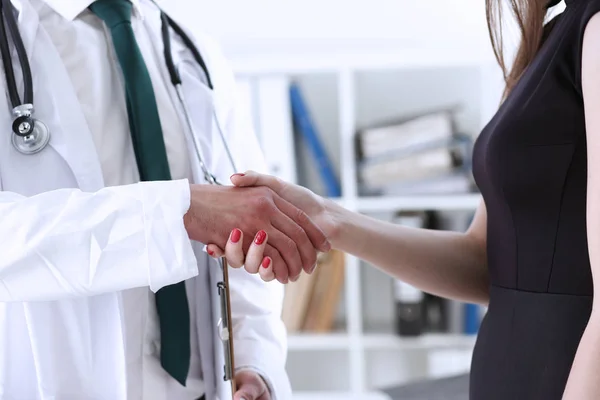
(377, 104)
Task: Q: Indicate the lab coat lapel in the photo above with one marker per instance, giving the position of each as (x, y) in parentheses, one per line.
(56, 103)
(197, 96)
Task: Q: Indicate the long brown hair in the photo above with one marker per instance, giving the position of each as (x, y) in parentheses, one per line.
(530, 16)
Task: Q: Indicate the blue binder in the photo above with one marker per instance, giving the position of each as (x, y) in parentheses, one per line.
(304, 124)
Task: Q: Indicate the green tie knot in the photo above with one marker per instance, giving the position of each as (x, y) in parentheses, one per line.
(112, 12)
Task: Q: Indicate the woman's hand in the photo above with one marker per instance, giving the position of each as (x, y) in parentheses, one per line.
(254, 261)
(314, 206)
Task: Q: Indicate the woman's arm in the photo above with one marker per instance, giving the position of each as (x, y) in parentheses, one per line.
(449, 264)
(583, 382)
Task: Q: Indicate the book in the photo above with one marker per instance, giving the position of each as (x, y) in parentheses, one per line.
(295, 302)
(305, 126)
(310, 304)
(411, 131)
(448, 183)
(325, 298)
(431, 168)
(420, 155)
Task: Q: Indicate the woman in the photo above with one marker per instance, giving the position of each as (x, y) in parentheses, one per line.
(526, 252)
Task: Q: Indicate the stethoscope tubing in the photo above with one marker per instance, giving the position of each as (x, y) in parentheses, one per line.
(7, 19)
(176, 81)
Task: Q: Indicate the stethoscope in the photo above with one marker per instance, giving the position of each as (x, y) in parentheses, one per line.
(30, 135)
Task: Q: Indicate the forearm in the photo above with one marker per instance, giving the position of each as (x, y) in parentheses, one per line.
(583, 382)
(67, 243)
(448, 264)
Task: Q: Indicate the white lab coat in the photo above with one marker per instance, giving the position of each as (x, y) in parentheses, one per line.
(60, 337)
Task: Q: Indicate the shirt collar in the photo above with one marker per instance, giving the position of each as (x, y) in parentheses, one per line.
(71, 9)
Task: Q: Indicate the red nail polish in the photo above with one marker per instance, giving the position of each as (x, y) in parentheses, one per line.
(236, 235)
(260, 237)
(210, 252)
(266, 262)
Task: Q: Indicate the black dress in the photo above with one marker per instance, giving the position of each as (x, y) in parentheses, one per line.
(530, 165)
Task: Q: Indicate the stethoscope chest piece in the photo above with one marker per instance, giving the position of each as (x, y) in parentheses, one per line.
(30, 135)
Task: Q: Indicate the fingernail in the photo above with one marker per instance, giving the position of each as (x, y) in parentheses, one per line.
(237, 174)
(266, 262)
(210, 252)
(260, 237)
(236, 235)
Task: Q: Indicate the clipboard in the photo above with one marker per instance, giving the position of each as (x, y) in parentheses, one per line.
(225, 325)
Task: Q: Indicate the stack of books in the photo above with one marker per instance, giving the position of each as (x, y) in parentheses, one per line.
(423, 154)
(311, 303)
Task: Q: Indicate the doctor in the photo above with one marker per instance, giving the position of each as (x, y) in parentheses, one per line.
(103, 296)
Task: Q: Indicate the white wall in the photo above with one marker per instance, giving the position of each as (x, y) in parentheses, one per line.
(245, 27)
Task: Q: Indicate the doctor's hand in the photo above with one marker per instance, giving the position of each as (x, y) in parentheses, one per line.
(294, 239)
(250, 386)
(255, 259)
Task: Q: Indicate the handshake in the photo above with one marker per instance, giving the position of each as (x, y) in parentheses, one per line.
(262, 223)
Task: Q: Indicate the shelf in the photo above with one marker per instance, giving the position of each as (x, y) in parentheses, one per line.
(341, 341)
(428, 202)
(340, 396)
(425, 342)
(313, 341)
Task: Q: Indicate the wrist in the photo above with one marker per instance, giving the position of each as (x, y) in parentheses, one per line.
(197, 211)
(187, 217)
(337, 217)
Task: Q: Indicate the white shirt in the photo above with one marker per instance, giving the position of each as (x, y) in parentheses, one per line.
(85, 47)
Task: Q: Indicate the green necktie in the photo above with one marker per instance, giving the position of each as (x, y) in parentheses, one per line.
(151, 157)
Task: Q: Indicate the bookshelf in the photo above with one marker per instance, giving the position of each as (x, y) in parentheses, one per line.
(375, 63)
(358, 359)
(341, 341)
(412, 203)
